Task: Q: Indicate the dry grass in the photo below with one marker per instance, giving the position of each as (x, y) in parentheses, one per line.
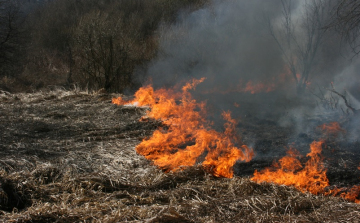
(69, 157)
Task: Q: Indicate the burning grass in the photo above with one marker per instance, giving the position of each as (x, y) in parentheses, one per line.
(186, 121)
(187, 127)
(289, 171)
(310, 177)
(70, 157)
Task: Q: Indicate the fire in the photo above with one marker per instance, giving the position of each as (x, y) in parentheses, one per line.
(310, 177)
(254, 88)
(144, 96)
(332, 129)
(259, 86)
(251, 87)
(188, 138)
(289, 171)
(351, 194)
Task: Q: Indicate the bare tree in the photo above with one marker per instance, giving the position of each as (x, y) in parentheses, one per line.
(300, 39)
(347, 20)
(96, 44)
(104, 52)
(10, 36)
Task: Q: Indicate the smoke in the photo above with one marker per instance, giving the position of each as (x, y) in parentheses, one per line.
(224, 42)
(230, 44)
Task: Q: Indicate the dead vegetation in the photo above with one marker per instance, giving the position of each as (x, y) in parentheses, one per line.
(68, 156)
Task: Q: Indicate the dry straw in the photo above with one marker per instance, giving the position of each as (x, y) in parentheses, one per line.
(69, 156)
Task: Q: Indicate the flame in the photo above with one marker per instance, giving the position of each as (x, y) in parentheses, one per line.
(188, 137)
(144, 96)
(310, 177)
(332, 129)
(254, 88)
(249, 87)
(260, 86)
(351, 194)
(289, 171)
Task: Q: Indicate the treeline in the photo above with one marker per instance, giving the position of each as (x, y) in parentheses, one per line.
(88, 43)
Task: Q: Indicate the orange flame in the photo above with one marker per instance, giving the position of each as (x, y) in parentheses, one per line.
(144, 96)
(351, 194)
(311, 177)
(250, 87)
(188, 138)
(332, 129)
(289, 171)
(254, 88)
(258, 86)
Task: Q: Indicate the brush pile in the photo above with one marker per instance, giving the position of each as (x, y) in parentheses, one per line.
(68, 156)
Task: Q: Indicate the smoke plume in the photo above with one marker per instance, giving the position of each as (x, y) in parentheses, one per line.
(229, 42)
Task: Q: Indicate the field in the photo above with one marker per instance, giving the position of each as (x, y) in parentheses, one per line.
(69, 156)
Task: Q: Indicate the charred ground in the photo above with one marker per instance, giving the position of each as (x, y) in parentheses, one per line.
(69, 156)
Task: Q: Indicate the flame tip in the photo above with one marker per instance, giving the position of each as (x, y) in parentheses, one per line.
(188, 135)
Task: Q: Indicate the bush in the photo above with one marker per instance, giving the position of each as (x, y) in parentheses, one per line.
(96, 44)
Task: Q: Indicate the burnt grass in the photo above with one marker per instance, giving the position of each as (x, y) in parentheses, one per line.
(68, 156)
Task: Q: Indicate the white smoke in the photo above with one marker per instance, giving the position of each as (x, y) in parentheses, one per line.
(229, 41)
